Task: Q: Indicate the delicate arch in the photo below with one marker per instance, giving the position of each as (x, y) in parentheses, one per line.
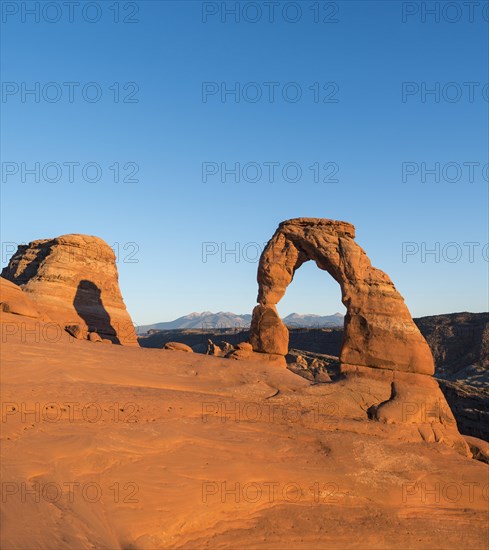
(379, 330)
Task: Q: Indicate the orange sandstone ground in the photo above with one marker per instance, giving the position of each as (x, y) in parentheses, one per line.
(166, 449)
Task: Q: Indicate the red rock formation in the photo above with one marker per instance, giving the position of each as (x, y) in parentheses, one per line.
(178, 346)
(384, 361)
(379, 330)
(13, 300)
(74, 279)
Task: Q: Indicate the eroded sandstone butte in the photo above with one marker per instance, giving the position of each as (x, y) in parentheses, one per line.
(379, 330)
(74, 280)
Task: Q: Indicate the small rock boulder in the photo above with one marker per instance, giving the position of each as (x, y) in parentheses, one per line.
(76, 331)
(238, 354)
(322, 376)
(478, 447)
(219, 350)
(178, 346)
(94, 337)
(245, 346)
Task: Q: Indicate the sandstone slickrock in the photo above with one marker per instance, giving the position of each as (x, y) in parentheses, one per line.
(459, 344)
(74, 279)
(13, 300)
(379, 330)
(204, 420)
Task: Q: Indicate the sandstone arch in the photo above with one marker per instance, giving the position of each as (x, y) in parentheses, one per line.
(379, 331)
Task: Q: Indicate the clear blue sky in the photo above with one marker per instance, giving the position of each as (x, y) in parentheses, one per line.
(170, 131)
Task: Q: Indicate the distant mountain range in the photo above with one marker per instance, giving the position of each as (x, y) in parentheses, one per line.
(309, 320)
(208, 320)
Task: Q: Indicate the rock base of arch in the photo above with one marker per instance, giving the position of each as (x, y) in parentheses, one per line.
(409, 405)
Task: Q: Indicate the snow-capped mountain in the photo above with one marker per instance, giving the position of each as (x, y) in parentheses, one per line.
(225, 319)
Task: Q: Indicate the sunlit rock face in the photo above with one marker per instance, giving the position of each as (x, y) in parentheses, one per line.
(74, 280)
(379, 330)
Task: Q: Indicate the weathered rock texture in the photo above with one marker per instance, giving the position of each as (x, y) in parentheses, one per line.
(13, 300)
(74, 279)
(379, 330)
